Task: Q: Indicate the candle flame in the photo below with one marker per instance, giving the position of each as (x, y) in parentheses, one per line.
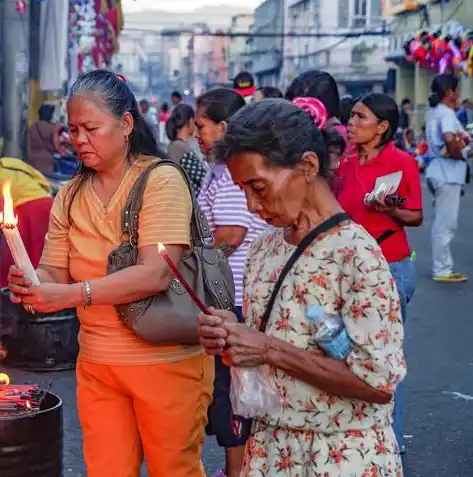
(161, 247)
(4, 379)
(7, 217)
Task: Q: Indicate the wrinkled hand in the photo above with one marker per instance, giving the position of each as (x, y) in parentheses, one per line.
(45, 298)
(212, 335)
(245, 347)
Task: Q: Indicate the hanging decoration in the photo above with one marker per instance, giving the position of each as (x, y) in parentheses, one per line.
(93, 39)
(20, 6)
(442, 52)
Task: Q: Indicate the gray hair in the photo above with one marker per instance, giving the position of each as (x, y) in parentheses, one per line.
(119, 99)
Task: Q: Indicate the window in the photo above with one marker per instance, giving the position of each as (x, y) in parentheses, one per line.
(360, 12)
(356, 56)
(361, 8)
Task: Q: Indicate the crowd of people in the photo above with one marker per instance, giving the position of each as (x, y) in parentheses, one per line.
(287, 185)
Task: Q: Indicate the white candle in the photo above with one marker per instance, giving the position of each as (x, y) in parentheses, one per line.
(8, 223)
(18, 251)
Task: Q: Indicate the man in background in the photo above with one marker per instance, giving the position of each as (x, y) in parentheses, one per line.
(148, 113)
(176, 98)
(404, 118)
(244, 84)
(465, 112)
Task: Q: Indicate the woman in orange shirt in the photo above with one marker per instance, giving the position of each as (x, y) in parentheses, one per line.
(133, 397)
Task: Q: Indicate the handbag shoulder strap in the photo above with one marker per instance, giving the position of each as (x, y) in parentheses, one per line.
(200, 230)
(303, 245)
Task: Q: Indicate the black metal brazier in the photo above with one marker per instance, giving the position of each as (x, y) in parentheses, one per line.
(40, 342)
(31, 444)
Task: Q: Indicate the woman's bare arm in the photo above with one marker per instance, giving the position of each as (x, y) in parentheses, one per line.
(149, 277)
(327, 374)
(53, 275)
(410, 218)
(229, 238)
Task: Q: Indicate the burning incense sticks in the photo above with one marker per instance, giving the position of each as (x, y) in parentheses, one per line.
(8, 224)
(177, 273)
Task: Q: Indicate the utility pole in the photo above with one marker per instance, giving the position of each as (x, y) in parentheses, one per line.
(14, 95)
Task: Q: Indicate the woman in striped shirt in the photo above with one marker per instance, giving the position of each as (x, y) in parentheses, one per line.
(234, 229)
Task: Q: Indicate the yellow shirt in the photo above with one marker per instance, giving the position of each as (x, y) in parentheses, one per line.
(27, 183)
(84, 246)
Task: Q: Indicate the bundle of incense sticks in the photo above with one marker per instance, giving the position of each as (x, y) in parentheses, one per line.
(25, 397)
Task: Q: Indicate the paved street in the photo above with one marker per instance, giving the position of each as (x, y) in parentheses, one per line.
(439, 415)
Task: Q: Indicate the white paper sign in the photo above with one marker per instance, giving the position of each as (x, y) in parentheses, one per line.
(385, 185)
(392, 180)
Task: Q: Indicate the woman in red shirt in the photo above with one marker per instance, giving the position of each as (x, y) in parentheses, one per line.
(373, 123)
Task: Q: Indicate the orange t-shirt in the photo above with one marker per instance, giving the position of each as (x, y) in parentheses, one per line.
(84, 243)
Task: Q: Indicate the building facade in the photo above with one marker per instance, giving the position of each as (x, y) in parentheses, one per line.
(407, 19)
(356, 63)
(265, 53)
(237, 59)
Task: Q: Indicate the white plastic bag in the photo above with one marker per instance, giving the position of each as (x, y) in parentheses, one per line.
(251, 392)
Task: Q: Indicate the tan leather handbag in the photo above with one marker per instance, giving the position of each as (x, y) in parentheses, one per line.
(170, 317)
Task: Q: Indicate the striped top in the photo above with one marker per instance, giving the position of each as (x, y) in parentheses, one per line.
(84, 246)
(224, 204)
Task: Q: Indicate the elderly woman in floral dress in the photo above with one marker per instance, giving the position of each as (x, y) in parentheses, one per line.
(334, 415)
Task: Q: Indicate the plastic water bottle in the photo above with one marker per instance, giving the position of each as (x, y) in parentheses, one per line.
(330, 333)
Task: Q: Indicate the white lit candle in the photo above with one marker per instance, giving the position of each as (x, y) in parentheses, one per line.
(8, 224)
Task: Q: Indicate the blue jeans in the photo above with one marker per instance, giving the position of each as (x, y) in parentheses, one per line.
(404, 274)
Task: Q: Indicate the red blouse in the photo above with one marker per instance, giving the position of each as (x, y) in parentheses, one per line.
(354, 181)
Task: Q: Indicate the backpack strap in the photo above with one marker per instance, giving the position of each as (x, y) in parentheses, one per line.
(200, 230)
(304, 244)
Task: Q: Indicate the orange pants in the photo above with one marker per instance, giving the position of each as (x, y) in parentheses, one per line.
(158, 410)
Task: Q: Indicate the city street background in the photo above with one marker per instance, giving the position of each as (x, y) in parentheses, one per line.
(439, 388)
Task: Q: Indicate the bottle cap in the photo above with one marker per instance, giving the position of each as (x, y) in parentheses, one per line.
(315, 313)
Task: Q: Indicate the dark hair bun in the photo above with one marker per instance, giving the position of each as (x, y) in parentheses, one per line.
(180, 117)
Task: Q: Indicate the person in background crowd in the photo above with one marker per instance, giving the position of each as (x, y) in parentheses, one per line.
(267, 92)
(322, 86)
(244, 85)
(43, 140)
(32, 204)
(334, 419)
(180, 127)
(144, 107)
(465, 112)
(164, 113)
(148, 113)
(133, 397)
(421, 153)
(163, 117)
(234, 229)
(176, 98)
(371, 129)
(337, 144)
(404, 118)
(410, 141)
(446, 173)
(346, 105)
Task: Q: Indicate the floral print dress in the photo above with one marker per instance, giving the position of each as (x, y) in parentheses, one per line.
(314, 434)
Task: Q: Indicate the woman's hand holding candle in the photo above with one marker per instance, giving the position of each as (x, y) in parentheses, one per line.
(8, 224)
(43, 298)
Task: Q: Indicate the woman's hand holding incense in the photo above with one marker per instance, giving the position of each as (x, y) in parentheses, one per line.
(212, 335)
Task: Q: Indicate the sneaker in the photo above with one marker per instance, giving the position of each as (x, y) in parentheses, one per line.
(454, 277)
(219, 473)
